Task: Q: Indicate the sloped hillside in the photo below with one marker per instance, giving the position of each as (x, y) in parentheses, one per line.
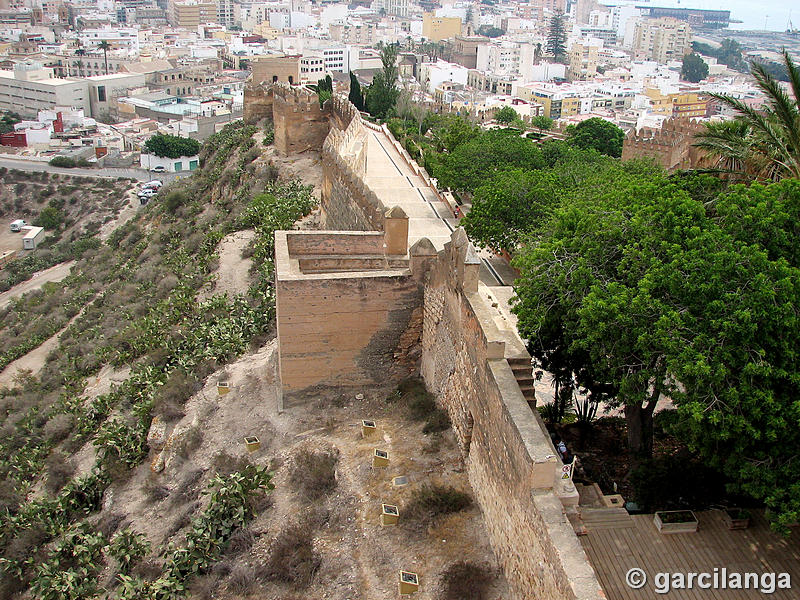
(135, 344)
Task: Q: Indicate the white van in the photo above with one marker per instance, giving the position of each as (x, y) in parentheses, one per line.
(152, 185)
(17, 225)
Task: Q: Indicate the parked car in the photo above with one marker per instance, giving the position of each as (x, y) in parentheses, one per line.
(152, 185)
(148, 192)
(158, 169)
(18, 225)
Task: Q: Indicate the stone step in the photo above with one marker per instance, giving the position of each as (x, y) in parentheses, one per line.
(520, 362)
(606, 518)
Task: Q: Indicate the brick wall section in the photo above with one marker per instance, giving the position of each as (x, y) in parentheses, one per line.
(347, 202)
(339, 330)
(257, 102)
(300, 123)
(510, 459)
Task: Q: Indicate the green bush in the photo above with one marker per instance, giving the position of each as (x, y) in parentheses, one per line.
(62, 161)
(172, 146)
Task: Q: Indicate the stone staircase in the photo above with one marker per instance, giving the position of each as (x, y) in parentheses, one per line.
(523, 373)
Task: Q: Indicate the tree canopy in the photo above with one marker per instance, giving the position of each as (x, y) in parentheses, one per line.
(597, 134)
(694, 68)
(172, 146)
(382, 94)
(506, 115)
(473, 162)
(635, 285)
(356, 96)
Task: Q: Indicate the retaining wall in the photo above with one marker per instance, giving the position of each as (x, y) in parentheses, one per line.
(511, 462)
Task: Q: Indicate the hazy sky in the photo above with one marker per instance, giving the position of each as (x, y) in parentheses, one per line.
(753, 12)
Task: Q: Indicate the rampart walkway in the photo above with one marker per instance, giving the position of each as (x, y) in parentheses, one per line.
(394, 182)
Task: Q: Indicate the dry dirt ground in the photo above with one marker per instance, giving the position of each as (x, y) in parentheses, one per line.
(233, 274)
(55, 273)
(34, 360)
(360, 559)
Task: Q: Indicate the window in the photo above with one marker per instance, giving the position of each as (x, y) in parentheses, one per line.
(101, 93)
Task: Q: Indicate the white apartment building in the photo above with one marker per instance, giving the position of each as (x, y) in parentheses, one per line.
(398, 8)
(500, 59)
(30, 88)
(125, 38)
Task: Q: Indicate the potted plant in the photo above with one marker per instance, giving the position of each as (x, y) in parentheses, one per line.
(736, 518)
(675, 521)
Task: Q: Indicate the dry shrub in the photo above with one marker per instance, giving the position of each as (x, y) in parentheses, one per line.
(203, 587)
(149, 568)
(108, 524)
(154, 491)
(190, 442)
(9, 497)
(432, 500)
(172, 396)
(421, 405)
(242, 579)
(224, 464)
(313, 474)
(59, 427)
(467, 580)
(188, 489)
(241, 541)
(292, 558)
(59, 471)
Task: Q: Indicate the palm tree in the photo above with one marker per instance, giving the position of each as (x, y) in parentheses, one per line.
(760, 143)
(105, 47)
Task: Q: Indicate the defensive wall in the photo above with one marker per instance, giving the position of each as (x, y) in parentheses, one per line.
(355, 307)
(671, 146)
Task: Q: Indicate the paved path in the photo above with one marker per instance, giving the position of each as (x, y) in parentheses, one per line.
(395, 184)
(110, 172)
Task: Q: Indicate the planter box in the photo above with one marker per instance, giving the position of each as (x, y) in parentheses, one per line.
(368, 428)
(380, 458)
(675, 521)
(409, 583)
(390, 515)
(252, 443)
(736, 518)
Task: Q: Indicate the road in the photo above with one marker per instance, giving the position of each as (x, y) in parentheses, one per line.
(111, 172)
(56, 273)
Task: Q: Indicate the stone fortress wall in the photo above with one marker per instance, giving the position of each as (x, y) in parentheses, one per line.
(357, 298)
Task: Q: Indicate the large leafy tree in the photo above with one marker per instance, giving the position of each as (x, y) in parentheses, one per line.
(471, 163)
(739, 369)
(557, 38)
(382, 93)
(172, 146)
(597, 134)
(506, 115)
(762, 143)
(507, 205)
(694, 68)
(592, 276)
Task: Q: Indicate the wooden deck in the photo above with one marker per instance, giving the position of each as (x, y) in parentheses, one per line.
(614, 550)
